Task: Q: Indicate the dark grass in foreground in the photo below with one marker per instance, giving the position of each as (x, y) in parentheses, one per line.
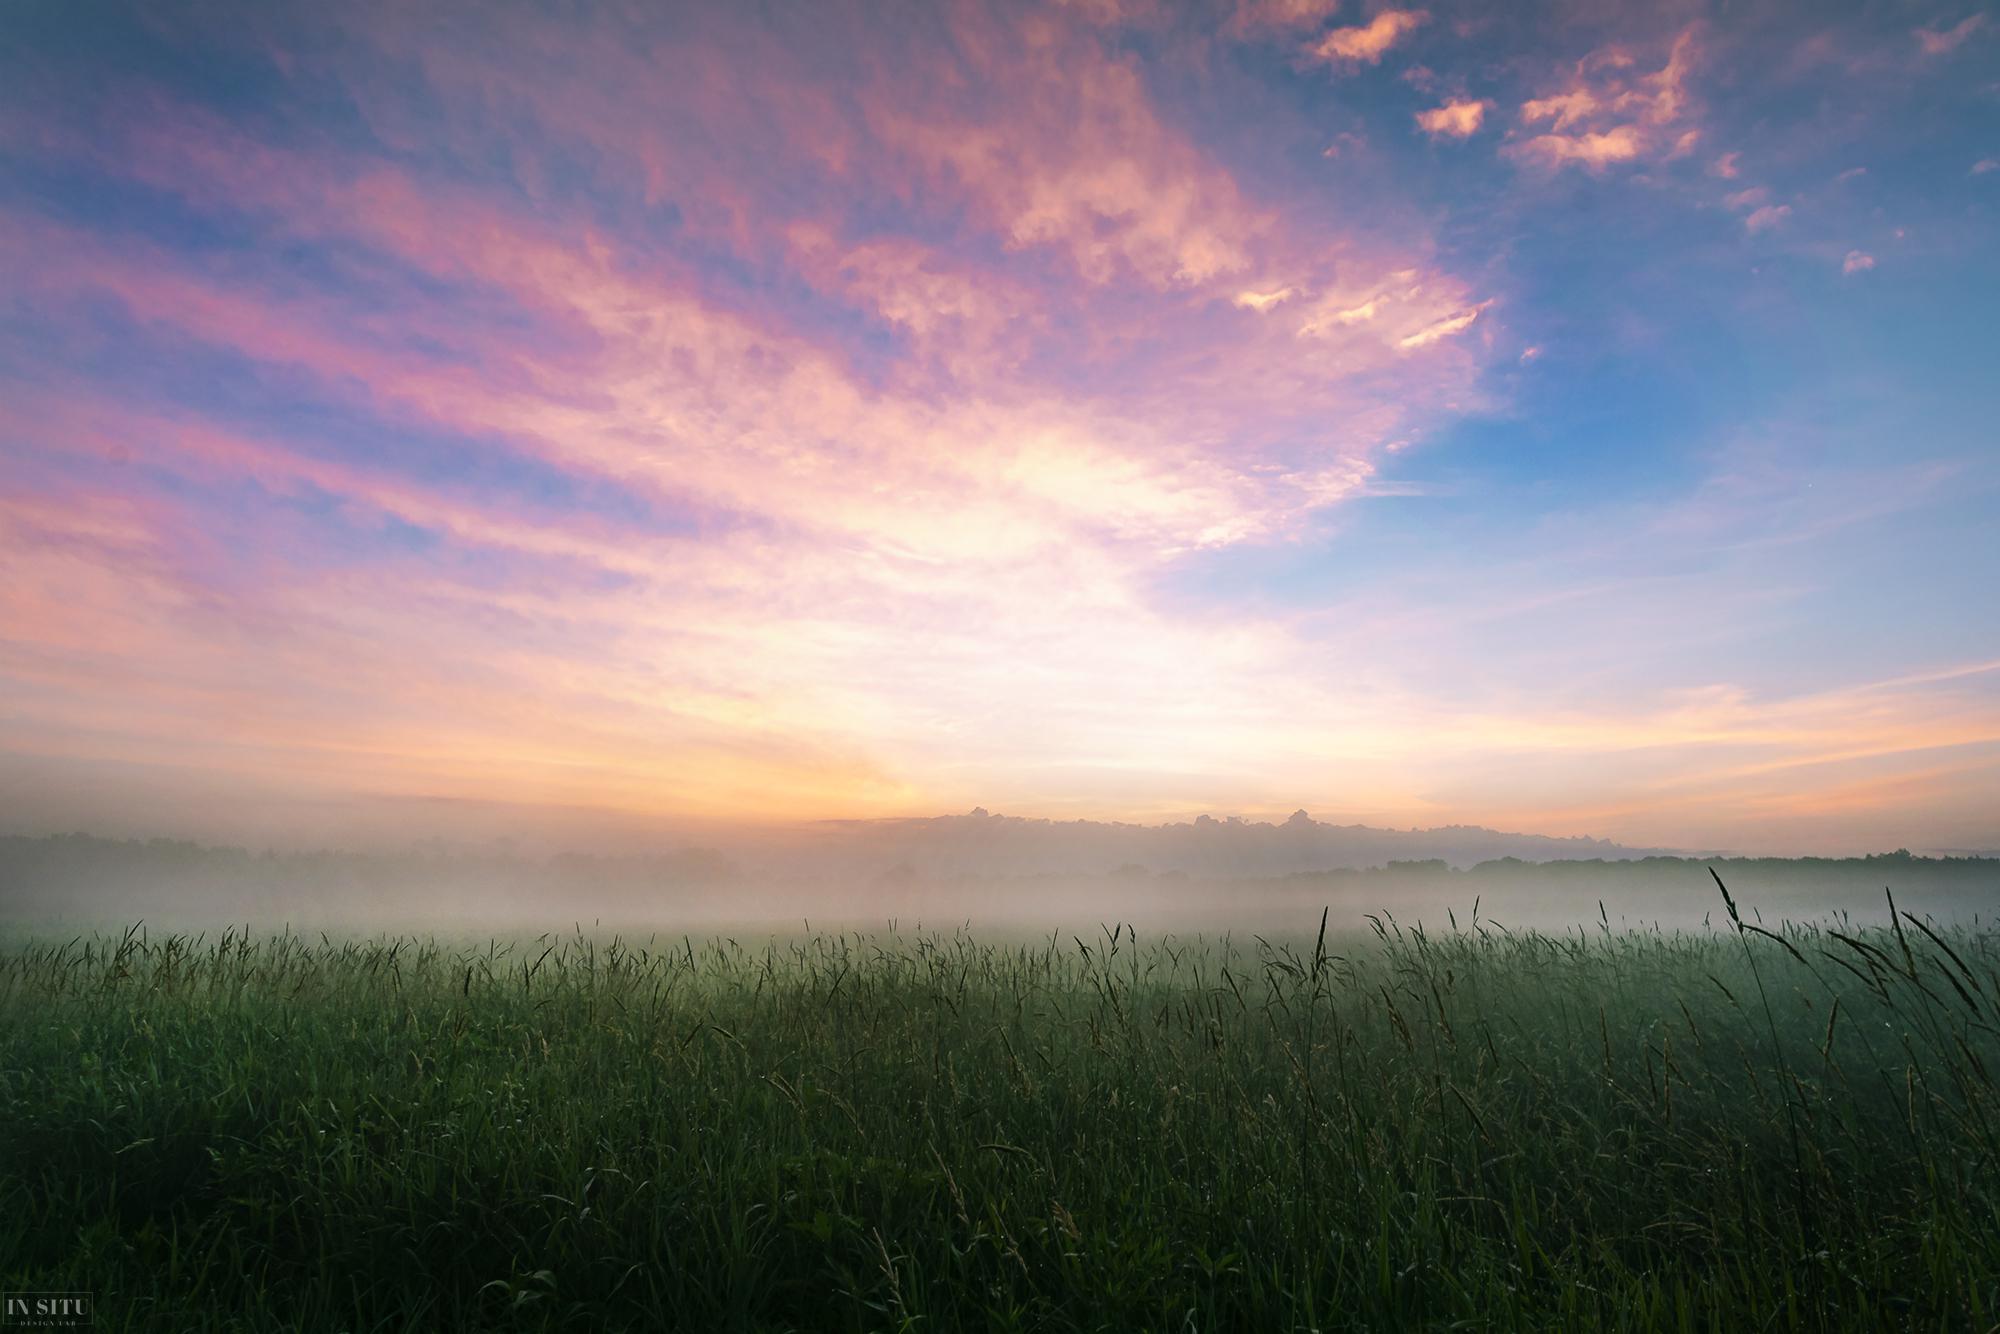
(1472, 1129)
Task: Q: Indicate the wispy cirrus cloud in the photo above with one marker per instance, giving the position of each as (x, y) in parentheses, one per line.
(858, 452)
(1457, 322)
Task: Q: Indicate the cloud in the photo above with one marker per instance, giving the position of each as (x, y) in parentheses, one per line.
(760, 512)
(1727, 166)
(1338, 309)
(1367, 44)
(1453, 120)
(1085, 166)
(1943, 41)
(1857, 261)
(1767, 217)
(1402, 310)
(1562, 109)
(1621, 144)
(1262, 15)
(1444, 328)
(1610, 112)
(1263, 301)
(1760, 213)
(1985, 165)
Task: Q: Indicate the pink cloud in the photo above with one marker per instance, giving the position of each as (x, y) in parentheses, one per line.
(1104, 201)
(1857, 261)
(1594, 150)
(1562, 109)
(799, 384)
(1263, 301)
(1105, 352)
(1260, 15)
(1453, 120)
(1767, 217)
(1444, 328)
(1943, 41)
(1367, 44)
(1610, 111)
(1083, 164)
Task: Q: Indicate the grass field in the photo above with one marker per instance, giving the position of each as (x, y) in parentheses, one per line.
(1465, 1128)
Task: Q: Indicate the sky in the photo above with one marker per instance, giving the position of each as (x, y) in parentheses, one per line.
(1571, 417)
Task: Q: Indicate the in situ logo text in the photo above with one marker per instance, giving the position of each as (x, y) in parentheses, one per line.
(45, 1310)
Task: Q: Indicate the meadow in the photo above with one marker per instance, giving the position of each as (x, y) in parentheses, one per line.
(1755, 1126)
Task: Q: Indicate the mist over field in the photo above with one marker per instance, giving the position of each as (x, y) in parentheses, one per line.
(976, 1072)
(976, 871)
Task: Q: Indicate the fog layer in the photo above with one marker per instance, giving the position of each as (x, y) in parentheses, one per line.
(50, 882)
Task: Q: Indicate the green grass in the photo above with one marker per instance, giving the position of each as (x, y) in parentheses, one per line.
(1471, 1129)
